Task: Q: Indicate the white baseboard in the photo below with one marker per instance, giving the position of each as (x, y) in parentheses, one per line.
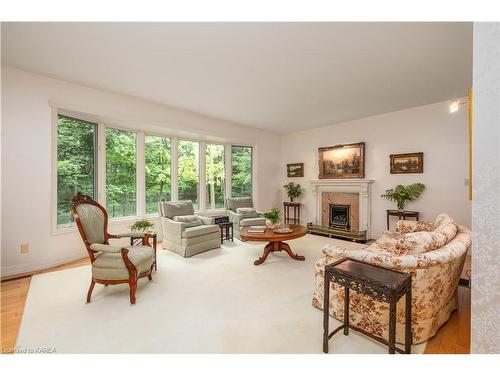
(16, 269)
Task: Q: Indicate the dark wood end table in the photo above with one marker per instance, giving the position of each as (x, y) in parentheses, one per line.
(226, 232)
(136, 239)
(380, 283)
(296, 212)
(402, 215)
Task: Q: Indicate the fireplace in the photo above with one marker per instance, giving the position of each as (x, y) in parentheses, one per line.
(340, 216)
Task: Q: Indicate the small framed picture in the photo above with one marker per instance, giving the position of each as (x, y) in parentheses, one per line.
(407, 163)
(295, 170)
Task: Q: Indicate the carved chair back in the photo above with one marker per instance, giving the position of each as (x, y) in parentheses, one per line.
(92, 221)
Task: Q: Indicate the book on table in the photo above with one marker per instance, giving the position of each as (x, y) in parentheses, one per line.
(256, 229)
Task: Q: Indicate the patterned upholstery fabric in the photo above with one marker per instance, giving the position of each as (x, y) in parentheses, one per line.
(235, 203)
(409, 226)
(435, 276)
(171, 209)
(92, 219)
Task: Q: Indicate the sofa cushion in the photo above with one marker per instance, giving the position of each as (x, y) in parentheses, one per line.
(252, 221)
(234, 203)
(171, 209)
(189, 220)
(445, 225)
(200, 230)
(247, 212)
(408, 226)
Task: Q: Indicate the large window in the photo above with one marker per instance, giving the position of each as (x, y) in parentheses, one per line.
(189, 176)
(120, 173)
(215, 175)
(157, 171)
(76, 146)
(241, 165)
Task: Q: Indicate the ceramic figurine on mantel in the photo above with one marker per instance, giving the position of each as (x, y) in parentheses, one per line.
(293, 190)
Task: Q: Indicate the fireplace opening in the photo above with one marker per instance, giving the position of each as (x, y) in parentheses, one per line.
(340, 216)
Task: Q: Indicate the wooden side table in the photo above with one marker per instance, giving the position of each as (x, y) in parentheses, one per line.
(296, 212)
(137, 240)
(402, 215)
(226, 231)
(380, 283)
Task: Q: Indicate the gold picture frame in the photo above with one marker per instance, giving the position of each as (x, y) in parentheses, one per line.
(342, 161)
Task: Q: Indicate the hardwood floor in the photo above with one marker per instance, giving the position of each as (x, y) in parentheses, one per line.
(452, 338)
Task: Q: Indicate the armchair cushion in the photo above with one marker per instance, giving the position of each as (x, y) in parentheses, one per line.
(92, 219)
(105, 248)
(189, 220)
(200, 231)
(234, 203)
(246, 212)
(252, 221)
(110, 266)
(171, 209)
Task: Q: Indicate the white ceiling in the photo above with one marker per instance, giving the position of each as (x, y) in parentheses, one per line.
(277, 76)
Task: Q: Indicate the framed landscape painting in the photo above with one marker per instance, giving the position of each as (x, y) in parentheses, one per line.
(295, 170)
(342, 161)
(407, 163)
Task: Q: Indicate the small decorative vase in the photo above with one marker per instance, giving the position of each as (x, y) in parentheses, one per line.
(270, 224)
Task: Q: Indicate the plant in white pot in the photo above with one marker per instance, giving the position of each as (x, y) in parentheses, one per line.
(272, 218)
(142, 226)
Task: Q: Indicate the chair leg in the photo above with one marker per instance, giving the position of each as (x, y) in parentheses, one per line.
(150, 276)
(91, 288)
(133, 286)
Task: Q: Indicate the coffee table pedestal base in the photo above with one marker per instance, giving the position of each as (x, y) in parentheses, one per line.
(277, 246)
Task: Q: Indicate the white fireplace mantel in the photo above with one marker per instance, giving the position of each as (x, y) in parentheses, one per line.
(359, 186)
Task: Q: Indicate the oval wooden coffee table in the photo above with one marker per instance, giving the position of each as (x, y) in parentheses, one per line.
(275, 241)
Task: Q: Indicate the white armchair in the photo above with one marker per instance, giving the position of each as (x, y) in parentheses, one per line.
(184, 232)
(240, 220)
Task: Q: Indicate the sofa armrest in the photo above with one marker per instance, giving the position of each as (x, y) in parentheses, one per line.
(260, 213)
(103, 248)
(234, 217)
(206, 220)
(172, 230)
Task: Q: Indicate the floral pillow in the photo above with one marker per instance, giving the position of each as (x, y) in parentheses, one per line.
(445, 225)
(409, 226)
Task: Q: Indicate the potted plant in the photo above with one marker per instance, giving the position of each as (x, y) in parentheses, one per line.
(401, 194)
(293, 190)
(272, 218)
(142, 226)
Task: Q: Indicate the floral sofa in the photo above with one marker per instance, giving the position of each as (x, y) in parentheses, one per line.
(434, 254)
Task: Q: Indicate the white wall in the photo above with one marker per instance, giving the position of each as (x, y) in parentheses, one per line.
(486, 190)
(441, 136)
(26, 158)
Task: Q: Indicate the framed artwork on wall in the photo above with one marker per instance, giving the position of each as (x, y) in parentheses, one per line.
(295, 170)
(342, 161)
(407, 163)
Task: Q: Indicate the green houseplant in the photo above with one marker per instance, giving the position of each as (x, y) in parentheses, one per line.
(293, 190)
(401, 194)
(142, 226)
(272, 218)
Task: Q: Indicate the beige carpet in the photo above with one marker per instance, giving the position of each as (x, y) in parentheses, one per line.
(216, 302)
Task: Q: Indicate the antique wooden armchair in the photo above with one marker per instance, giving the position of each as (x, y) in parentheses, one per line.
(110, 264)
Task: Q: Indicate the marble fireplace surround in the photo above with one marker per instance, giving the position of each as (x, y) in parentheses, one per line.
(362, 187)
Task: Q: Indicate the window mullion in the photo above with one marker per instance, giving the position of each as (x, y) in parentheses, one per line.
(202, 176)
(174, 172)
(228, 169)
(101, 164)
(140, 175)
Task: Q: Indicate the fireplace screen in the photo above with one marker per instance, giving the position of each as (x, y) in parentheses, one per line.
(340, 216)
